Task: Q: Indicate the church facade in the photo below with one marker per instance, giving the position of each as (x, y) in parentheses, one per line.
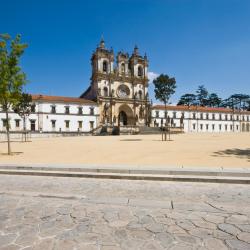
(119, 85)
(118, 98)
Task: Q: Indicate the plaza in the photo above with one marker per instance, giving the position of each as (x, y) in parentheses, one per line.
(73, 213)
(183, 150)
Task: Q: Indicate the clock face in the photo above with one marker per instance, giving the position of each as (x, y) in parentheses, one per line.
(123, 91)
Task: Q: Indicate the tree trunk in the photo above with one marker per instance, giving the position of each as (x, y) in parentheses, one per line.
(165, 135)
(8, 131)
(24, 129)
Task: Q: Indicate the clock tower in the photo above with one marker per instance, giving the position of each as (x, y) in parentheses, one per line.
(120, 88)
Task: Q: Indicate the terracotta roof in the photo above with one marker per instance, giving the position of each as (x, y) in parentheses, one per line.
(49, 98)
(199, 108)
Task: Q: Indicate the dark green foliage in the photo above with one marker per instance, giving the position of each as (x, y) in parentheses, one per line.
(202, 95)
(187, 100)
(164, 88)
(214, 100)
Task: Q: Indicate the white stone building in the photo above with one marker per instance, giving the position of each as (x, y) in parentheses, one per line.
(201, 119)
(55, 114)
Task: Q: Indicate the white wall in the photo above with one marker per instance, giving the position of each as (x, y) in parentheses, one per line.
(43, 117)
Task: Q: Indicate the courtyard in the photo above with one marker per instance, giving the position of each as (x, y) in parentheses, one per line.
(183, 150)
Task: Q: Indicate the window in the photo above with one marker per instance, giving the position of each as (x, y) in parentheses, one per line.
(105, 91)
(219, 126)
(79, 110)
(79, 124)
(231, 117)
(174, 115)
(66, 123)
(32, 125)
(194, 116)
(220, 117)
(140, 73)
(226, 117)
(213, 126)
(225, 127)
(157, 114)
(140, 94)
(207, 126)
(237, 118)
(91, 124)
(17, 121)
(165, 114)
(237, 127)
(66, 109)
(201, 126)
(91, 111)
(4, 123)
(207, 116)
(193, 126)
(248, 118)
(53, 123)
(123, 68)
(33, 108)
(53, 109)
(201, 116)
(105, 66)
(213, 116)
(231, 127)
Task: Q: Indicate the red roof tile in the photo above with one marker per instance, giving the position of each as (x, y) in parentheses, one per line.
(48, 98)
(198, 108)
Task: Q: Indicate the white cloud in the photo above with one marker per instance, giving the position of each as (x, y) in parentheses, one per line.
(152, 76)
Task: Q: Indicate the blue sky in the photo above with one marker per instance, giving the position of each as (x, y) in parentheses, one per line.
(196, 41)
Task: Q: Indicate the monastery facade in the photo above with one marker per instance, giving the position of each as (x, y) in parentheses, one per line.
(118, 100)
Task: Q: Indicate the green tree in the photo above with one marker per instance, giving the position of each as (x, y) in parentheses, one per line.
(23, 109)
(187, 100)
(213, 100)
(164, 87)
(12, 78)
(202, 95)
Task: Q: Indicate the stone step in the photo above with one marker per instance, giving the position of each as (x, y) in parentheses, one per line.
(129, 176)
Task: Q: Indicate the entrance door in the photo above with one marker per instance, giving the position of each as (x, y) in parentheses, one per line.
(32, 125)
(123, 120)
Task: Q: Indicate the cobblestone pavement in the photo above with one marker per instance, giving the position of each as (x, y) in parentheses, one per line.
(72, 213)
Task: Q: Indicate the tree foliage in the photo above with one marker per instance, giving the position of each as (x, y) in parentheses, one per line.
(12, 78)
(187, 100)
(164, 87)
(213, 100)
(202, 95)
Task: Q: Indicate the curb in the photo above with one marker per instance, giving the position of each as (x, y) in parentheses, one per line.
(131, 176)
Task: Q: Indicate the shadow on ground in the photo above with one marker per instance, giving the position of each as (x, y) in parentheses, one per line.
(240, 153)
(131, 140)
(12, 153)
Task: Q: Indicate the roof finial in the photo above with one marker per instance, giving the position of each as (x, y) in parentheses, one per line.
(102, 43)
(136, 50)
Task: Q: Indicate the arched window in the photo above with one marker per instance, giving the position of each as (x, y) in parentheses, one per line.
(140, 94)
(105, 66)
(105, 91)
(140, 72)
(123, 67)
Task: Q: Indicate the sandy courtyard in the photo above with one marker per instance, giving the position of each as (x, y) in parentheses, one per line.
(188, 150)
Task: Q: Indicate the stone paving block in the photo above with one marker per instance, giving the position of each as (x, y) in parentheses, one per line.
(228, 228)
(244, 237)
(214, 244)
(237, 245)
